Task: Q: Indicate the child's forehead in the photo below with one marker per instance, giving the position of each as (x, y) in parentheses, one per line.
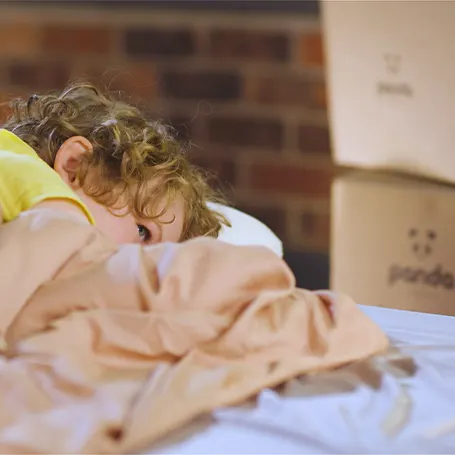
(153, 196)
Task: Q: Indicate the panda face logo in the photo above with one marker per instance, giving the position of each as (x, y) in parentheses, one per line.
(422, 242)
(392, 63)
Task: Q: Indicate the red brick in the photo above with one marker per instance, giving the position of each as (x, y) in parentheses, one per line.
(19, 40)
(223, 170)
(182, 126)
(5, 109)
(5, 112)
(38, 76)
(290, 178)
(249, 44)
(247, 132)
(79, 40)
(315, 230)
(312, 50)
(314, 139)
(272, 216)
(153, 42)
(318, 95)
(135, 80)
(208, 85)
(284, 89)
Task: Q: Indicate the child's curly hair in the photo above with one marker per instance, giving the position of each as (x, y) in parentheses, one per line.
(135, 162)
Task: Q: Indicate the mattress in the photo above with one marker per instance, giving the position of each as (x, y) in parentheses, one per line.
(403, 402)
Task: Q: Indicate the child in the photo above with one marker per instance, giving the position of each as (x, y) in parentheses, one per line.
(86, 152)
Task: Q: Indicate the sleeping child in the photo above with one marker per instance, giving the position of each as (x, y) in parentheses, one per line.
(85, 152)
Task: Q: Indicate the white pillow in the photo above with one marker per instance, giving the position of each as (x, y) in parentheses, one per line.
(246, 230)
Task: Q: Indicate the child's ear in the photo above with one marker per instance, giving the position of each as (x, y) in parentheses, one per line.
(68, 158)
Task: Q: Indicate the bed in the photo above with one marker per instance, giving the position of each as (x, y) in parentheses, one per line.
(402, 403)
(100, 376)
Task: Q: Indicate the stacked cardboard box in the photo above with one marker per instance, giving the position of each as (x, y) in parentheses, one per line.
(391, 83)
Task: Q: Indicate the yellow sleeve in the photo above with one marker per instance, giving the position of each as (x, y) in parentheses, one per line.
(26, 180)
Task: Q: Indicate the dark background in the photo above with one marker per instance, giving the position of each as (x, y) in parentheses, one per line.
(285, 6)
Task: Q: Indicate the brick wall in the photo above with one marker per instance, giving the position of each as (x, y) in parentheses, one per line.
(248, 90)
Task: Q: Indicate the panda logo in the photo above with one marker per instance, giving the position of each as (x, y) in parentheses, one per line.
(422, 242)
(392, 63)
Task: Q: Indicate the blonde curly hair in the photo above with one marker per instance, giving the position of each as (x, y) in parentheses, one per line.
(135, 163)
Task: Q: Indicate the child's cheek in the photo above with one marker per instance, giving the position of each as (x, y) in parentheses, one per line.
(121, 229)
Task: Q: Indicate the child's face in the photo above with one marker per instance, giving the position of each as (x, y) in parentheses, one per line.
(127, 229)
(124, 228)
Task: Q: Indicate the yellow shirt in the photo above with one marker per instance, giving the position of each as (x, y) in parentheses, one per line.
(26, 180)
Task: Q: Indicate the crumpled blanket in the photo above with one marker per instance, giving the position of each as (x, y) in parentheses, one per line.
(105, 349)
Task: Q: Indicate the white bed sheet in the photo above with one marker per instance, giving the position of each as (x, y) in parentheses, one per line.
(315, 415)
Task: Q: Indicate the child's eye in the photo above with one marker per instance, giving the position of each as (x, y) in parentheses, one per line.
(144, 233)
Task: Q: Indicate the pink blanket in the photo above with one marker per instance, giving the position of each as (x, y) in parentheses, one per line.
(106, 349)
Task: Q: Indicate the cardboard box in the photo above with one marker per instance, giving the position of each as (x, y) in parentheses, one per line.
(393, 242)
(390, 75)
